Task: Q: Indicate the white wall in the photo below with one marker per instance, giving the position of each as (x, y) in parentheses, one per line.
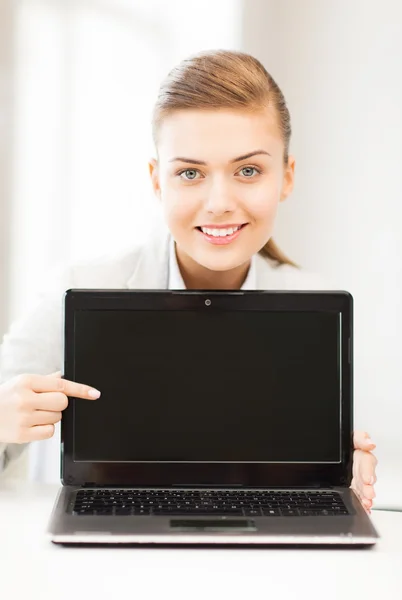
(6, 113)
(339, 66)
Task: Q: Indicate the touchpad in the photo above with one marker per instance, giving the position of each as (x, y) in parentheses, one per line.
(213, 525)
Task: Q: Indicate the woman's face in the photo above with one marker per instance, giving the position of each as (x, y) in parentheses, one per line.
(220, 177)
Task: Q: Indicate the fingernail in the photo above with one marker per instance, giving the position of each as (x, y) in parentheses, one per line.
(368, 441)
(371, 480)
(94, 393)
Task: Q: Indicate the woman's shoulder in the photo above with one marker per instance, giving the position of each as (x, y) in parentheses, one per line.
(289, 277)
(112, 267)
(307, 278)
(117, 268)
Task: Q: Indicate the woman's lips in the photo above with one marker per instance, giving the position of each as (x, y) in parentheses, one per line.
(221, 241)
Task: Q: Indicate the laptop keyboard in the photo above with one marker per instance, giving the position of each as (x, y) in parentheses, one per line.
(235, 503)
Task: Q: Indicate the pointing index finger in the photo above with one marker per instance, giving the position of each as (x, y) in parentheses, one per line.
(79, 390)
(52, 383)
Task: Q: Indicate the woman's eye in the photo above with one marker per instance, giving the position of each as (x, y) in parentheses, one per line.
(190, 174)
(249, 171)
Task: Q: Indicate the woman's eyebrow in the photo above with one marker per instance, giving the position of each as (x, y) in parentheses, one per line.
(249, 155)
(234, 160)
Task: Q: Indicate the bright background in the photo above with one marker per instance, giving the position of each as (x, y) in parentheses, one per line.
(78, 79)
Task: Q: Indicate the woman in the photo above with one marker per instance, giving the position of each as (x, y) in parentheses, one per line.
(221, 129)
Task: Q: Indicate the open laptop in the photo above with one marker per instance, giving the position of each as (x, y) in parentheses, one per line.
(225, 418)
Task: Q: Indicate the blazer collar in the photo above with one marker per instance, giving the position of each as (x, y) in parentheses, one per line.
(152, 269)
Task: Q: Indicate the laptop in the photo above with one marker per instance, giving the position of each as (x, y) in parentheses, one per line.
(226, 417)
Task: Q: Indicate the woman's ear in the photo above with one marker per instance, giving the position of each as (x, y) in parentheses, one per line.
(288, 179)
(154, 172)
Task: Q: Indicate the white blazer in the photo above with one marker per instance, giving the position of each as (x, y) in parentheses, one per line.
(34, 343)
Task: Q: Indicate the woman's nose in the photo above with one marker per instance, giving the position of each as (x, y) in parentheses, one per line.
(219, 198)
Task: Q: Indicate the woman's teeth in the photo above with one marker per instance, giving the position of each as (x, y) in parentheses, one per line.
(219, 232)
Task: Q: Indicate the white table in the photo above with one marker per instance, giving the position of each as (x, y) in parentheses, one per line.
(31, 567)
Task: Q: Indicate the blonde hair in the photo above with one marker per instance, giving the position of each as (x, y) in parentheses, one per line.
(224, 79)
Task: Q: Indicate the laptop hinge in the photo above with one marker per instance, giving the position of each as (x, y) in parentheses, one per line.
(208, 485)
(95, 485)
(242, 486)
(89, 484)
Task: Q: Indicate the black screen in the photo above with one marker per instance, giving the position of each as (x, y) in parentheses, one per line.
(209, 385)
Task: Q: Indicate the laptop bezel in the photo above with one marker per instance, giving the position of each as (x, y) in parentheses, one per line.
(209, 474)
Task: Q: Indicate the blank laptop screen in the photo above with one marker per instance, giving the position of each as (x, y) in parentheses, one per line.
(208, 386)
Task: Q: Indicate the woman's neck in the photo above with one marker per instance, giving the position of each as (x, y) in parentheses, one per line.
(197, 277)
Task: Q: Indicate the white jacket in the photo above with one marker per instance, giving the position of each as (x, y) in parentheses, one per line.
(34, 343)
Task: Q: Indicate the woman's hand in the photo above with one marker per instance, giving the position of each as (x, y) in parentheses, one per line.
(31, 405)
(364, 464)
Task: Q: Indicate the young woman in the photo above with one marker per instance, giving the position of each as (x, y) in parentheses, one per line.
(221, 129)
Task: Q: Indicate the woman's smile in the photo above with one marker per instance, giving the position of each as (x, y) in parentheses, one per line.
(221, 235)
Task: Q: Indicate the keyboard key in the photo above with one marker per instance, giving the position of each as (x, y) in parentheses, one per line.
(271, 512)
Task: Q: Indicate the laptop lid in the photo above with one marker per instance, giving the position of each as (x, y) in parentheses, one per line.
(209, 388)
